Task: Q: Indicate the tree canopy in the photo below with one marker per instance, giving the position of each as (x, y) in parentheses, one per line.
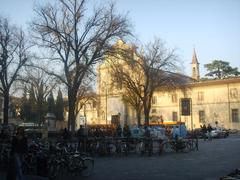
(144, 70)
(59, 107)
(76, 41)
(14, 53)
(221, 69)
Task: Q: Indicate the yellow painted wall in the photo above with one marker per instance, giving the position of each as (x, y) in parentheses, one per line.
(217, 104)
(217, 101)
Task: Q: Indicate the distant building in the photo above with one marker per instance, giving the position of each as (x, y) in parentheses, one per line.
(88, 112)
(212, 100)
(110, 96)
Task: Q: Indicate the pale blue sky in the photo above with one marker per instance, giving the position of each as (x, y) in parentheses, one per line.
(211, 26)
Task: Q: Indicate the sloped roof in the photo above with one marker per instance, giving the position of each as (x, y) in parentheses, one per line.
(175, 79)
(216, 81)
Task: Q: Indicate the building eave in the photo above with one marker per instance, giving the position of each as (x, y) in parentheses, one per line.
(215, 82)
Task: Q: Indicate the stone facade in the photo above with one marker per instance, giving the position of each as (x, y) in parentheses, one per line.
(212, 100)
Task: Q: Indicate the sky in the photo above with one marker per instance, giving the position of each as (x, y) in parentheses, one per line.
(212, 27)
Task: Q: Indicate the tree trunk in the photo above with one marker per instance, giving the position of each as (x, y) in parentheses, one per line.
(138, 118)
(146, 118)
(6, 108)
(146, 114)
(71, 112)
(40, 114)
(147, 106)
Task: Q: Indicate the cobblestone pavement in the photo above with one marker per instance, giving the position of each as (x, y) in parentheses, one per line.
(214, 159)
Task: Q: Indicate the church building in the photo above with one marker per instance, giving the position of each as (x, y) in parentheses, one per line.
(215, 102)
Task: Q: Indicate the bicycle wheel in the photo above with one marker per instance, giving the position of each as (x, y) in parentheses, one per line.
(187, 146)
(111, 149)
(87, 168)
(167, 148)
(140, 148)
(124, 148)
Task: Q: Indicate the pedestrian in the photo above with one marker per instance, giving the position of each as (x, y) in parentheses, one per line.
(80, 134)
(66, 135)
(18, 150)
(161, 120)
(126, 131)
(119, 131)
(209, 129)
(204, 132)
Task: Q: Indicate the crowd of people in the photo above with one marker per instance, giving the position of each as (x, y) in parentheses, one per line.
(206, 131)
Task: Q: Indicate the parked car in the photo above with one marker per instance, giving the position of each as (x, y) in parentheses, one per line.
(233, 131)
(219, 133)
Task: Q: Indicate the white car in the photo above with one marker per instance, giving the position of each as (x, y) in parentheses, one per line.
(219, 133)
(214, 133)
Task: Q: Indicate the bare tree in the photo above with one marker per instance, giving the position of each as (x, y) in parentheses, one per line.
(76, 41)
(84, 94)
(42, 84)
(13, 56)
(135, 102)
(128, 77)
(145, 70)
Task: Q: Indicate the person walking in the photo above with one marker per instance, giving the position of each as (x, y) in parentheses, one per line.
(81, 139)
(204, 132)
(126, 131)
(18, 150)
(119, 131)
(209, 129)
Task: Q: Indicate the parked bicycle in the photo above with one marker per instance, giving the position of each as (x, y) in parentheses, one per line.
(176, 145)
(63, 161)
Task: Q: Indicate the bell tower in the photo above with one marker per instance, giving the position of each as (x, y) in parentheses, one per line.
(195, 66)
